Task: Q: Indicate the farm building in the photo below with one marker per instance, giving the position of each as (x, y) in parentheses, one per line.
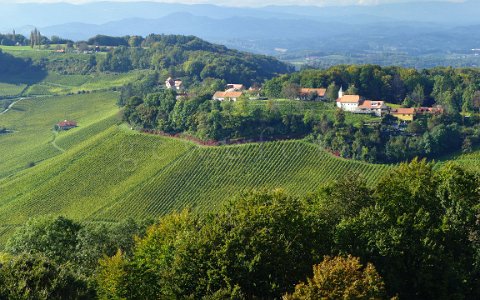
(306, 93)
(229, 96)
(404, 114)
(65, 125)
(409, 114)
(378, 108)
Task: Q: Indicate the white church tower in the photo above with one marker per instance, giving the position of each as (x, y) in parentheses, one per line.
(340, 93)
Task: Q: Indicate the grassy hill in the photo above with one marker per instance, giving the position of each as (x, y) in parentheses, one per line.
(117, 173)
(32, 121)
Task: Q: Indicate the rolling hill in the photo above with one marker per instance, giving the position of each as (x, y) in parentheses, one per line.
(102, 171)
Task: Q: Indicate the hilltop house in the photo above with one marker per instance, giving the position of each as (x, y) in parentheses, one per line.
(228, 96)
(306, 93)
(356, 104)
(378, 108)
(65, 125)
(176, 84)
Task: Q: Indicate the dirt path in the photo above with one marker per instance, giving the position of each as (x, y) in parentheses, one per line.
(11, 105)
(54, 142)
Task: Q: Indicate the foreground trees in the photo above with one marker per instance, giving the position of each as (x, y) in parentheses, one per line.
(415, 235)
(341, 278)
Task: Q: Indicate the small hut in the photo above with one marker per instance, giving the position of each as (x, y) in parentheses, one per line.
(65, 125)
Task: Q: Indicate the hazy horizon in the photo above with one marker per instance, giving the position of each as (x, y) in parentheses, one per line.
(246, 3)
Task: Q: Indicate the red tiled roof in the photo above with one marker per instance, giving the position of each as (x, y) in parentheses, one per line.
(403, 111)
(349, 99)
(227, 95)
(67, 124)
(320, 92)
(371, 104)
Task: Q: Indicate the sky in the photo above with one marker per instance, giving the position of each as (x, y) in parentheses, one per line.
(246, 2)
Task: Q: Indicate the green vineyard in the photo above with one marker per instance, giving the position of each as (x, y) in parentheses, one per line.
(118, 173)
(470, 161)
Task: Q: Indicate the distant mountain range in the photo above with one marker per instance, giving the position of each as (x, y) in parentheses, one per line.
(413, 28)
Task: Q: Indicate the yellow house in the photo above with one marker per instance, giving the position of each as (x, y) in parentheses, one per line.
(404, 114)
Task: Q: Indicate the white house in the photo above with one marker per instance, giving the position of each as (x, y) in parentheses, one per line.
(348, 102)
(176, 84)
(379, 108)
(355, 104)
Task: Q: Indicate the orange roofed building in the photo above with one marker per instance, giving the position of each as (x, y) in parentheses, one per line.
(304, 93)
(65, 125)
(227, 96)
(404, 114)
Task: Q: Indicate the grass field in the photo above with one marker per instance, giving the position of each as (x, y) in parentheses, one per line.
(470, 161)
(37, 54)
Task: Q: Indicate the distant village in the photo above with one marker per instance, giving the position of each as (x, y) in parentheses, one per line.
(349, 103)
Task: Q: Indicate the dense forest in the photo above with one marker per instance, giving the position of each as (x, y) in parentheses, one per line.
(13, 69)
(414, 235)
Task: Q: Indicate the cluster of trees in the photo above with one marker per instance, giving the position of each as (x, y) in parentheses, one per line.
(214, 120)
(35, 39)
(415, 235)
(427, 136)
(57, 258)
(15, 70)
(12, 39)
(455, 89)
